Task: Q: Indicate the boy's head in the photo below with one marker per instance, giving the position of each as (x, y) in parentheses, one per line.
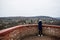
(40, 20)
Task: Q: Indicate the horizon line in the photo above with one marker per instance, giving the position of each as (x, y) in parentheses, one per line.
(24, 16)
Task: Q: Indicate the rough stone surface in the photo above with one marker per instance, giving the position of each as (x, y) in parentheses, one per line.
(51, 31)
(19, 33)
(39, 38)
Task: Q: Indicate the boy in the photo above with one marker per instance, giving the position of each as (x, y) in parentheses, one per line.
(40, 28)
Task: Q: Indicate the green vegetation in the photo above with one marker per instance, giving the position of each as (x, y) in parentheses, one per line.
(7, 22)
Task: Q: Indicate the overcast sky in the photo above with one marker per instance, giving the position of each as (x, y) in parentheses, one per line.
(30, 8)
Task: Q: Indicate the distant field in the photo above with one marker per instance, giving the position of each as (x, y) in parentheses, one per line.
(6, 22)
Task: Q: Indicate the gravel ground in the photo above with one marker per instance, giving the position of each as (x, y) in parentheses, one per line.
(40, 38)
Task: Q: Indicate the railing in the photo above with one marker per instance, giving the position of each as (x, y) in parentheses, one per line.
(20, 31)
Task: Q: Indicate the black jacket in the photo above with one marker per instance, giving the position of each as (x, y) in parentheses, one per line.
(40, 25)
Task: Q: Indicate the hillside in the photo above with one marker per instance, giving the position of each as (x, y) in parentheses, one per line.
(6, 22)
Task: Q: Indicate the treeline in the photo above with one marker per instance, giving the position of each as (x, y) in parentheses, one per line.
(10, 22)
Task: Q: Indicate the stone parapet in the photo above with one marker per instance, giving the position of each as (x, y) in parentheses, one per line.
(20, 31)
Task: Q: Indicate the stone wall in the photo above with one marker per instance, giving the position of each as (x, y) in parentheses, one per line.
(51, 31)
(21, 31)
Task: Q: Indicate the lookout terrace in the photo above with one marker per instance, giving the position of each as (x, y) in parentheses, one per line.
(30, 32)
